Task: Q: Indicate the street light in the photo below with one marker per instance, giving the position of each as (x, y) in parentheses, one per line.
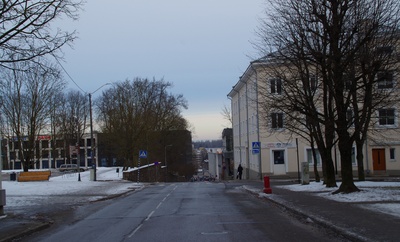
(165, 161)
(91, 132)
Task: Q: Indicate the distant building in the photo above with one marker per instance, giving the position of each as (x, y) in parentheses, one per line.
(47, 156)
(227, 152)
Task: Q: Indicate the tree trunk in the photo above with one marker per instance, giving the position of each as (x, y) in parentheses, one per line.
(345, 148)
(360, 160)
(329, 175)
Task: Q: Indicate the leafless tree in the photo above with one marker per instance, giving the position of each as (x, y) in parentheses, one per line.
(26, 32)
(27, 97)
(227, 115)
(325, 53)
(71, 118)
(131, 113)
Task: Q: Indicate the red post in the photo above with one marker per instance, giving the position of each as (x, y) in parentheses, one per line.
(267, 188)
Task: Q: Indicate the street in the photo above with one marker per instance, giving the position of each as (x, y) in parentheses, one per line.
(199, 211)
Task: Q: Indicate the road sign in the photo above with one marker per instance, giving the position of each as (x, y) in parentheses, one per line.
(256, 145)
(143, 154)
(255, 148)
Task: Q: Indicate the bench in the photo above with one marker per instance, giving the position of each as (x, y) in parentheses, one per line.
(34, 176)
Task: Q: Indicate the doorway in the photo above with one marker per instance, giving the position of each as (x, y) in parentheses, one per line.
(279, 162)
(378, 159)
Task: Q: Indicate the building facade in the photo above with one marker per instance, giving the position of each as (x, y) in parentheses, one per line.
(46, 156)
(266, 148)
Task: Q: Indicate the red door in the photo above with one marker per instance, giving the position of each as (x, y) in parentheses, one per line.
(378, 158)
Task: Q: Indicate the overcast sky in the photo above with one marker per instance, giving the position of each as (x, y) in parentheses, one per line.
(201, 46)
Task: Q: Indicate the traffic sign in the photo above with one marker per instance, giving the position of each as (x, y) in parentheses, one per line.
(255, 148)
(143, 154)
(256, 145)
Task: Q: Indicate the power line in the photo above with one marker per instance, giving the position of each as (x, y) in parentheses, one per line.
(66, 72)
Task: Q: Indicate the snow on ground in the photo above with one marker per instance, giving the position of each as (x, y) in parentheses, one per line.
(378, 196)
(109, 182)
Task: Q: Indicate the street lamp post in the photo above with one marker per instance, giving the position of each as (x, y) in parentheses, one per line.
(92, 146)
(91, 138)
(165, 161)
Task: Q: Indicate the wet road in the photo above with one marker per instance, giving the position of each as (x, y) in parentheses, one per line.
(199, 211)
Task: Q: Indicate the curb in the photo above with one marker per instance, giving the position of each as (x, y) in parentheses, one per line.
(309, 217)
(23, 229)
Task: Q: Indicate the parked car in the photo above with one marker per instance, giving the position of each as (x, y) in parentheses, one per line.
(70, 167)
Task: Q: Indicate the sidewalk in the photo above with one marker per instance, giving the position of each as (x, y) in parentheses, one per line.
(14, 227)
(348, 219)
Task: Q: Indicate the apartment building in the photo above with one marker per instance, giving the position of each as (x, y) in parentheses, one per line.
(267, 148)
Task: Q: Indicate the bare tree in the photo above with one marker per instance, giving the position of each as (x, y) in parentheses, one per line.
(330, 40)
(227, 115)
(27, 104)
(71, 118)
(132, 112)
(25, 31)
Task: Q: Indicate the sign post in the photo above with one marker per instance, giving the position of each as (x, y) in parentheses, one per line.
(142, 154)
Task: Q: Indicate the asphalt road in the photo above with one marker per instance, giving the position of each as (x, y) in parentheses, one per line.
(198, 211)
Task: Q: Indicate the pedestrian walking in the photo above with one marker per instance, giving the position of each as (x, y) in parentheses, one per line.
(239, 172)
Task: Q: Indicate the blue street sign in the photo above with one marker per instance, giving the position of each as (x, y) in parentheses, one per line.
(255, 148)
(256, 145)
(143, 154)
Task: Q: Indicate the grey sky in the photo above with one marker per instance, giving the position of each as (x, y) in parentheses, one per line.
(202, 47)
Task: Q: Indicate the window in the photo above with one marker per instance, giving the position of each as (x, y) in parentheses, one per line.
(279, 157)
(310, 157)
(349, 80)
(276, 86)
(385, 79)
(277, 120)
(392, 153)
(313, 83)
(386, 116)
(353, 156)
(350, 117)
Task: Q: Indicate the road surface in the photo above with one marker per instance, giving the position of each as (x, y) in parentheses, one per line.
(197, 211)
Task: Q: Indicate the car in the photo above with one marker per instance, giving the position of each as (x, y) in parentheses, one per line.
(70, 167)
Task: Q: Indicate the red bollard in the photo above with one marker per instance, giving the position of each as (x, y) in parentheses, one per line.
(267, 188)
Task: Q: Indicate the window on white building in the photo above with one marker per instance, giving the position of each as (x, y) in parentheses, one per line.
(392, 153)
(276, 86)
(385, 79)
(310, 157)
(277, 120)
(313, 83)
(350, 117)
(386, 116)
(353, 156)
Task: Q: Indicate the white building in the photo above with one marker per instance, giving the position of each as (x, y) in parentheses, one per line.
(282, 154)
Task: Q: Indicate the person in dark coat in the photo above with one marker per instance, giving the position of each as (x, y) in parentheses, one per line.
(240, 171)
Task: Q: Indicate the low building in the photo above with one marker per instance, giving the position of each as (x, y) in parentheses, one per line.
(49, 154)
